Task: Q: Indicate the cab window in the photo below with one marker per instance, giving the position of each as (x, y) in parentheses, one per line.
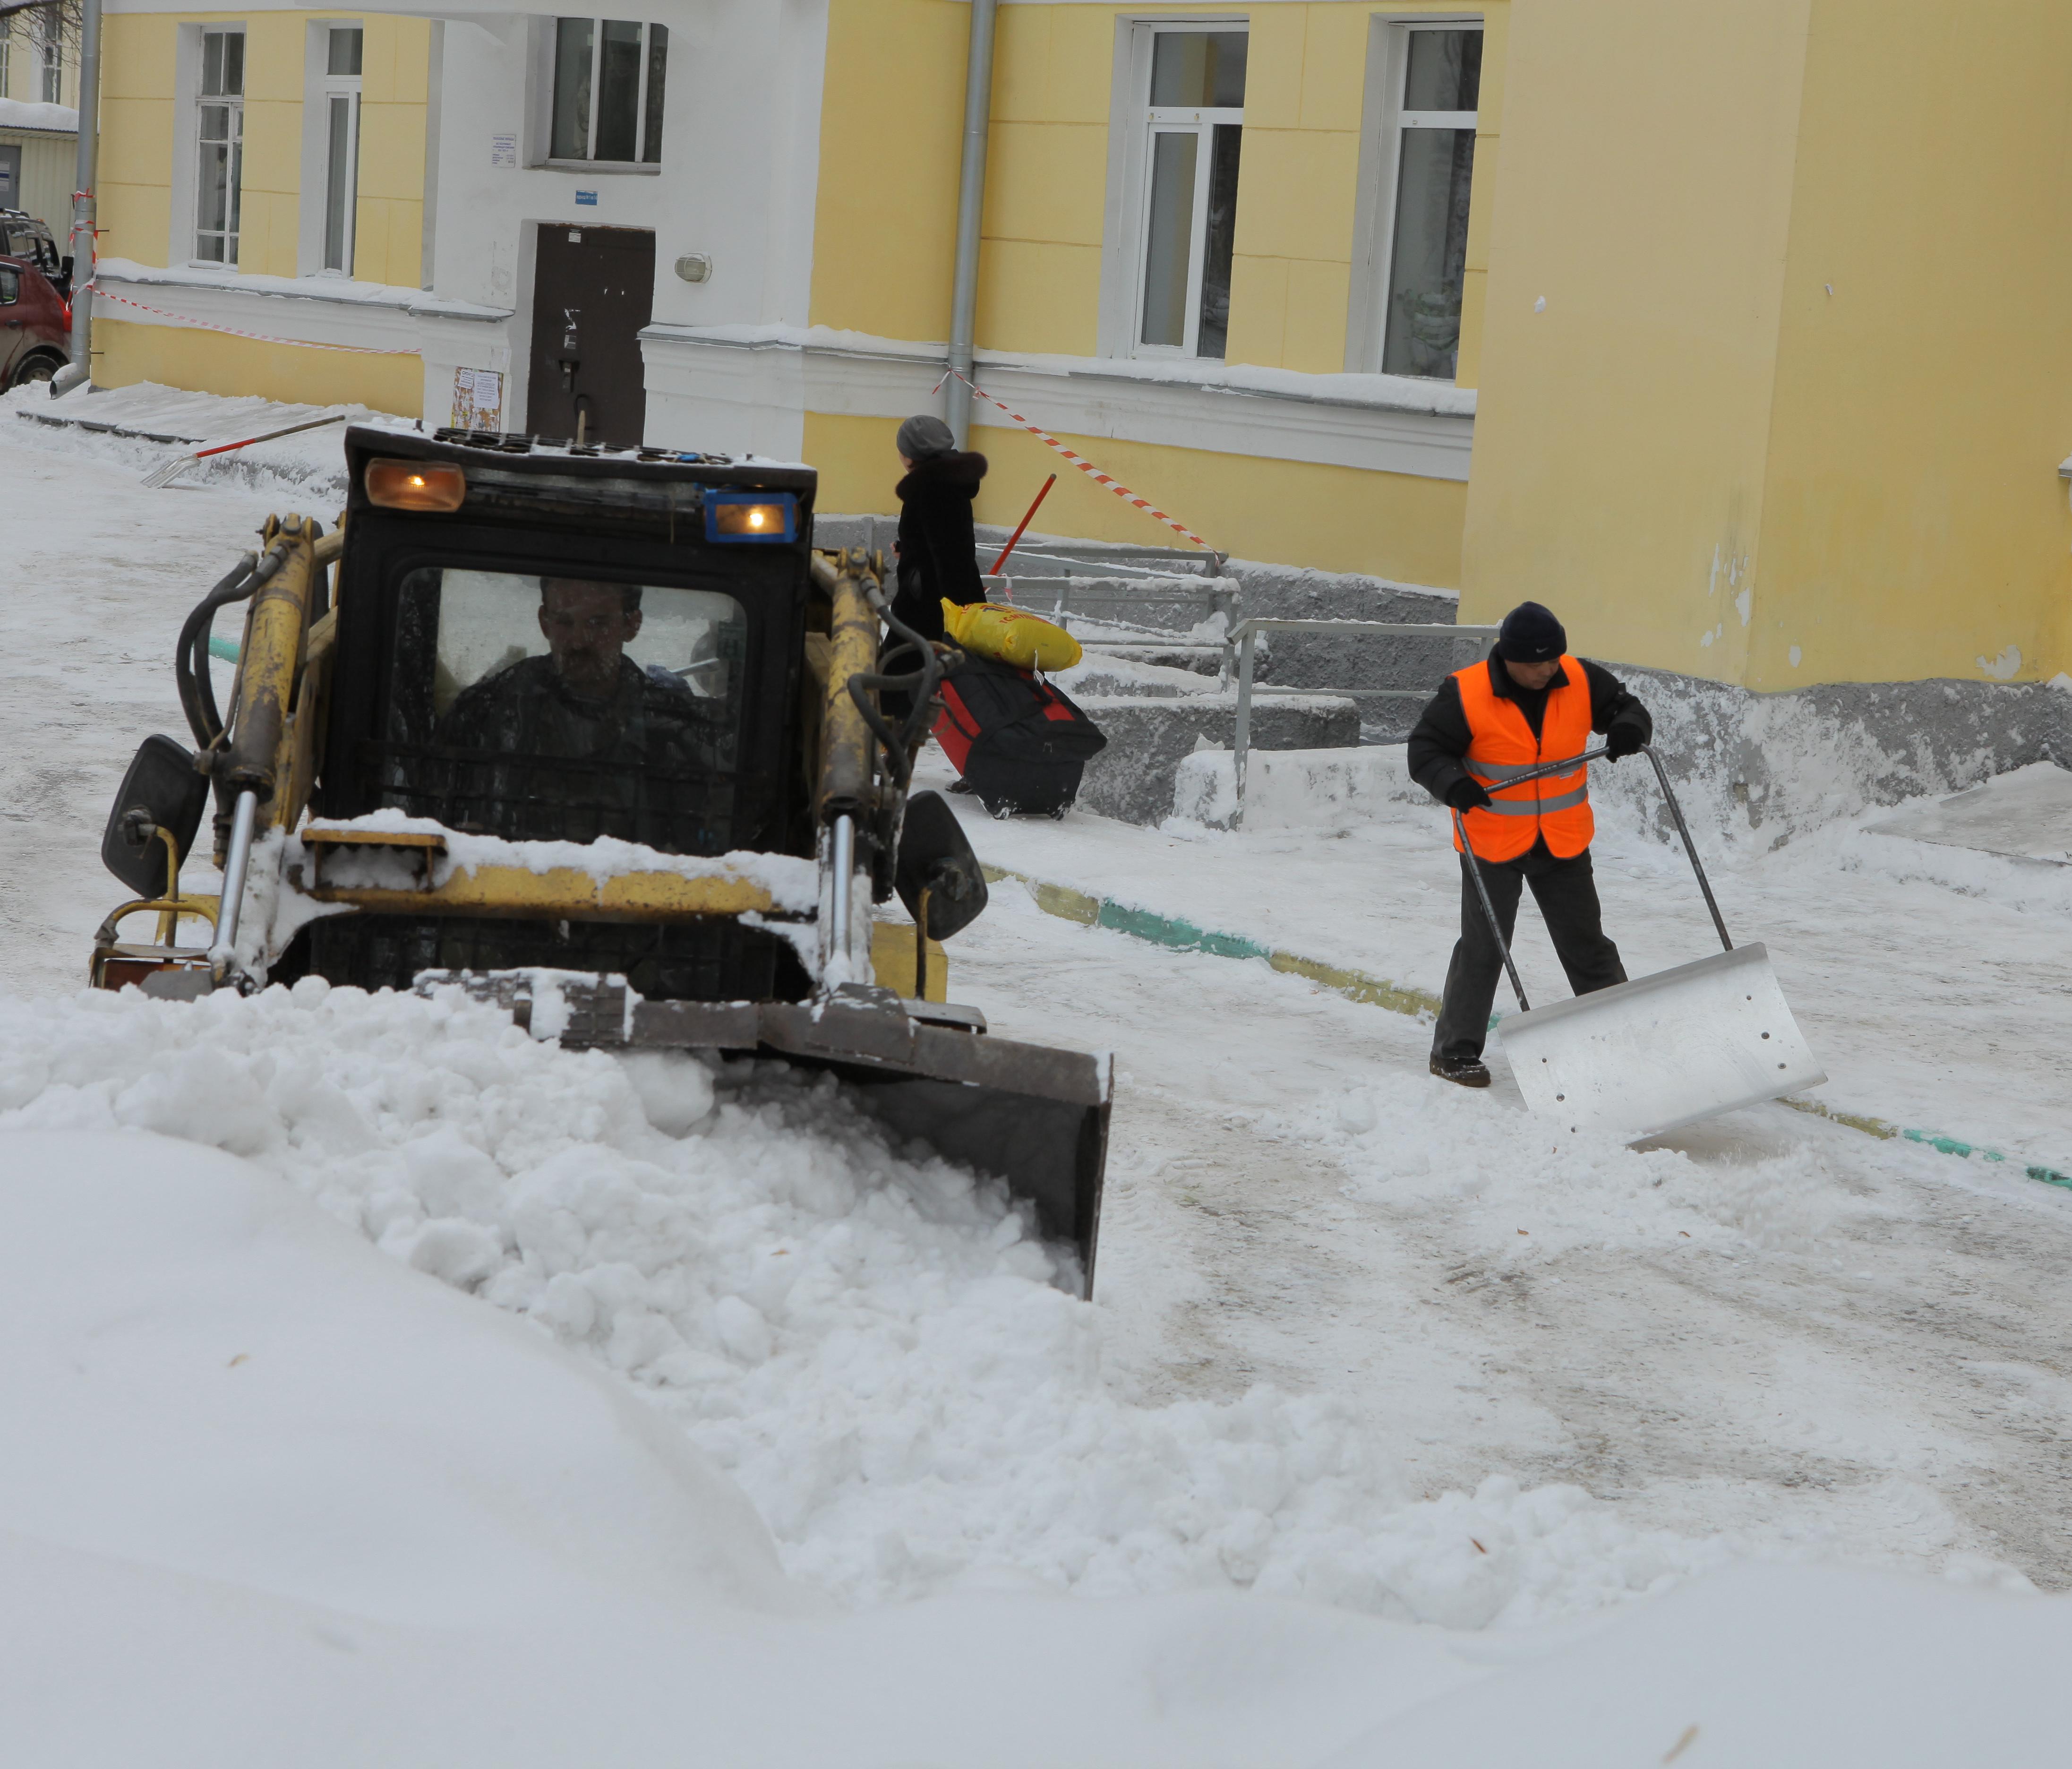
(566, 707)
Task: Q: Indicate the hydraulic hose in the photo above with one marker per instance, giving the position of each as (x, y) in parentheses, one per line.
(920, 685)
(190, 670)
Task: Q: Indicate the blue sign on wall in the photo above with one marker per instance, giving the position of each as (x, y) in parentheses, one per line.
(585, 200)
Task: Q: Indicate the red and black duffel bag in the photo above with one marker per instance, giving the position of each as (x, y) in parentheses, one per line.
(1019, 742)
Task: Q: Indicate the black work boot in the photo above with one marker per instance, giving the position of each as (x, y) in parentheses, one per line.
(1466, 1071)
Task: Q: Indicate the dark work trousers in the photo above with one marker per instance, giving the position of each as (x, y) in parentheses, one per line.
(1567, 893)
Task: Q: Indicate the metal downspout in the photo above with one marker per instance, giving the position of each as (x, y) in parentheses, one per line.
(80, 370)
(971, 209)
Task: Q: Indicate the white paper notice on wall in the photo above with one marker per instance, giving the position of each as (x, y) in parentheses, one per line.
(478, 399)
(504, 150)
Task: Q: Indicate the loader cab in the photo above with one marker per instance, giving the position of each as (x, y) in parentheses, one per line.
(543, 642)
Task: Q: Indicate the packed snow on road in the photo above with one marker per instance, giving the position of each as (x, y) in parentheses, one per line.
(387, 1385)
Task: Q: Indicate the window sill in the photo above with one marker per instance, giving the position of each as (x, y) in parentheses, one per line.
(599, 168)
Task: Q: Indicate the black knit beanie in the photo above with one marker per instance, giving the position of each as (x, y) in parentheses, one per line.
(1530, 635)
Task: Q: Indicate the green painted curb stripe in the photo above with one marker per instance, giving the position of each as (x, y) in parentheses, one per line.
(1177, 935)
(1943, 1145)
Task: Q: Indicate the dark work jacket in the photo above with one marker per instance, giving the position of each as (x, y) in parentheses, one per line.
(938, 552)
(1441, 736)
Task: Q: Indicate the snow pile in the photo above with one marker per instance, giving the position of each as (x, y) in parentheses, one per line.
(866, 1340)
(1524, 1191)
(792, 882)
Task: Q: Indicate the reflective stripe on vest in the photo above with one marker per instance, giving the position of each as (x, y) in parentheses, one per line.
(1501, 746)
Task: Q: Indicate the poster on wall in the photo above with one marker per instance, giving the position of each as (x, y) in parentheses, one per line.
(478, 399)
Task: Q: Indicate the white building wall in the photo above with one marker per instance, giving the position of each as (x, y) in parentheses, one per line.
(738, 182)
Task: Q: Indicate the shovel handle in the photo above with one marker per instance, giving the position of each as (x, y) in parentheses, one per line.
(1690, 847)
(1489, 909)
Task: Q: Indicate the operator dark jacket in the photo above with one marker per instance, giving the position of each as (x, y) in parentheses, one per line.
(938, 551)
(1441, 736)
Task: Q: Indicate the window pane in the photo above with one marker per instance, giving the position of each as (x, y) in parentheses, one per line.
(214, 207)
(618, 90)
(11, 287)
(1430, 253)
(571, 131)
(658, 58)
(1446, 71)
(562, 708)
(211, 63)
(1169, 237)
(1222, 230)
(1196, 69)
(345, 47)
(233, 63)
(337, 184)
(236, 178)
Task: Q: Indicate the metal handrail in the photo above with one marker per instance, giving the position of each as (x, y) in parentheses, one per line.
(1240, 642)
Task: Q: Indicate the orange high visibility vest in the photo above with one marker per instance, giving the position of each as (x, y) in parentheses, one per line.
(1501, 744)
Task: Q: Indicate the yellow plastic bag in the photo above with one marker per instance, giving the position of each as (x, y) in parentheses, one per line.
(1009, 635)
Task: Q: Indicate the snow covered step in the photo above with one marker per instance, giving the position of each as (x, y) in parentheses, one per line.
(2025, 814)
(1149, 739)
(1297, 789)
(169, 414)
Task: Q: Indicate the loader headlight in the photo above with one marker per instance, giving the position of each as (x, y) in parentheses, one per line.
(415, 485)
(751, 516)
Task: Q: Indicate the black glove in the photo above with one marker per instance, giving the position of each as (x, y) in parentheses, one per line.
(1467, 794)
(1623, 740)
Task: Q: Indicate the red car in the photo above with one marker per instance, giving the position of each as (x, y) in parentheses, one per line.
(35, 320)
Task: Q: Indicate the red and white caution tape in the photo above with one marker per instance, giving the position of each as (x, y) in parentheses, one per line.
(256, 337)
(1085, 465)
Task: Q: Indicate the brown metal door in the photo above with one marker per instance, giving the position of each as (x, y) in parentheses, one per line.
(593, 290)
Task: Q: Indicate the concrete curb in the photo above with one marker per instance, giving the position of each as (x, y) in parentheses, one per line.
(1179, 934)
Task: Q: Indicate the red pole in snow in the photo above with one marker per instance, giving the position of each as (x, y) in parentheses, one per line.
(1015, 537)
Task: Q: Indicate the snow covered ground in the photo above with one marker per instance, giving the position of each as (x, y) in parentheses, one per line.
(1384, 1419)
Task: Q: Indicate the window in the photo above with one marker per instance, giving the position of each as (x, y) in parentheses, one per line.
(1193, 129)
(564, 708)
(49, 51)
(1440, 71)
(11, 286)
(221, 139)
(341, 124)
(608, 81)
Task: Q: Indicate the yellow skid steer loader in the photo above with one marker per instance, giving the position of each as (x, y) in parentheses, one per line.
(594, 733)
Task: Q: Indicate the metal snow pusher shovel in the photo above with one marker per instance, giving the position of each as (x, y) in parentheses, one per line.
(1646, 1057)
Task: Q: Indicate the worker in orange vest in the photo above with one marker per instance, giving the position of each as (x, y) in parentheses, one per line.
(1529, 704)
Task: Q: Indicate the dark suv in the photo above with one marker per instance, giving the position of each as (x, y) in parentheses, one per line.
(35, 317)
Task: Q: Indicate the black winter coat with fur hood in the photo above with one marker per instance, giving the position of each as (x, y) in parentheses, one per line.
(938, 551)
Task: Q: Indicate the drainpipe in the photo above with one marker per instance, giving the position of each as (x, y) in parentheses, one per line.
(80, 370)
(971, 206)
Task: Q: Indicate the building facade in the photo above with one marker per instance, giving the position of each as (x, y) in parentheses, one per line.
(1727, 331)
(38, 117)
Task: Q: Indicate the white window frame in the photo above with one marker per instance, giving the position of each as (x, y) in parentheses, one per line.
(1133, 121)
(544, 119)
(229, 260)
(1382, 129)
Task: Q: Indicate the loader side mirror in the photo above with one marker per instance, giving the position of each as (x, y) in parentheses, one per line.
(935, 857)
(161, 791)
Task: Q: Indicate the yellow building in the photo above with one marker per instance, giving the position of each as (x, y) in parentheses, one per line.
(1724, 330)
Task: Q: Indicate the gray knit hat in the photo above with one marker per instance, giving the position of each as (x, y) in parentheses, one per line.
(924, 434)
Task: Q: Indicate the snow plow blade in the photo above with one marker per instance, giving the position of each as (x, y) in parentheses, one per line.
(1033, 1117)
(1648, 1056)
